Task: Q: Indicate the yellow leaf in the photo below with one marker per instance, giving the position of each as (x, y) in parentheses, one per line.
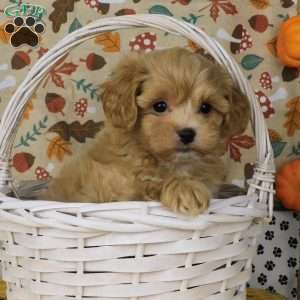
(58, 148)
(293, 116)
(274, 135)
(4, 36)
(260, 4)
(27, 111)
(271, 45)
(109, 40)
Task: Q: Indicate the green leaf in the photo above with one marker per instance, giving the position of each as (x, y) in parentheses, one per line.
(30, 136)
(278, 147)
(160, 10)
(74, 25)
(251, 61)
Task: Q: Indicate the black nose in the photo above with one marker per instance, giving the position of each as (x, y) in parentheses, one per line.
(186, 135)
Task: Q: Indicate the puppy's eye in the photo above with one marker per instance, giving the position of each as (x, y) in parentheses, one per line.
(205, 108)
(160, 106)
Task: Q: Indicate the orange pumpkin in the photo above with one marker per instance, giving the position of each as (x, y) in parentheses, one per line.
(288, 42)
(288, 185)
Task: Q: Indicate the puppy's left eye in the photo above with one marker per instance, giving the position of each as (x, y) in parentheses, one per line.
(205, 108)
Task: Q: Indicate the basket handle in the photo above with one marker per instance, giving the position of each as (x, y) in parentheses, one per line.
(14, 110)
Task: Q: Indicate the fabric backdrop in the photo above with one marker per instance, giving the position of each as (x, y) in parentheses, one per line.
(66, 112)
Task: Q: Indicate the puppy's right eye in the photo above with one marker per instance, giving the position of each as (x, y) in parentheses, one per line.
(160, 106)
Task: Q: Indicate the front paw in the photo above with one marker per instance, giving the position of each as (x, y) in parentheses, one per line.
(185, 195)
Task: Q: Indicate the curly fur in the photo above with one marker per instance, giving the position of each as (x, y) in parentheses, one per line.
(138, 155)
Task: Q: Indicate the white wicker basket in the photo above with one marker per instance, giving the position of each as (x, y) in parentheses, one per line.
(130, 250)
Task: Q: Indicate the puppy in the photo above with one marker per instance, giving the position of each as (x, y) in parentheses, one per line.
(169, 114)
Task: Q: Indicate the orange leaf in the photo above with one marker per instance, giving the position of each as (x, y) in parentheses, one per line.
(58, 148)
(271, 45)
(274, 135)
(293, 116)
(27, 111)
(109, 40)
(193, 46)
(260, 4)
(4, 36)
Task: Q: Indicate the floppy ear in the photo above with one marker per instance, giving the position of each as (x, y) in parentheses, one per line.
(236, 121)
(120, 91)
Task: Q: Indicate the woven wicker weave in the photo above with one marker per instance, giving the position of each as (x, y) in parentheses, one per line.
(130, 250)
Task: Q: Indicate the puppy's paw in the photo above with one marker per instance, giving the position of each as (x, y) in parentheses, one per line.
(185, 195)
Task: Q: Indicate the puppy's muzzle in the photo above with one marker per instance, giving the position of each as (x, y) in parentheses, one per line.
(187, 135)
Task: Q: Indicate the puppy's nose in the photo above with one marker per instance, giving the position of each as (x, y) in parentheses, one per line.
(187, 135)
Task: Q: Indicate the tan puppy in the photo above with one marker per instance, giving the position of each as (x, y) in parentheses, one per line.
(169, 114)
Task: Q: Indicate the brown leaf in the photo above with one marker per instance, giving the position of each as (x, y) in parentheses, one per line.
(62, 129)
(260, 4)
(293, 116)
(60, 68)
(214, 12)
(243, 141)
(235, 153)
(271, 45)
(228, 8)
(82, 131)
(76, 130)
(42, 51)
(109, 40)
(67, 68)
(58, 148)
(59, 14)
(57, 80)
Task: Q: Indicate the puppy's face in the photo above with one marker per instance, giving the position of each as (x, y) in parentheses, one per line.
(175, 103)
